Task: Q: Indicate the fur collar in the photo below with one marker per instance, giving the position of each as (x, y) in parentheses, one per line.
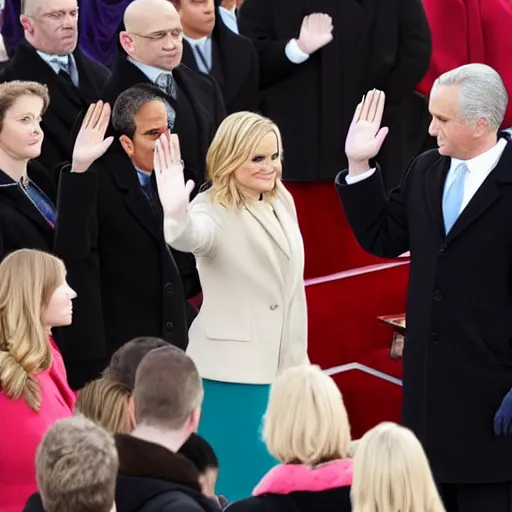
(288, 478)
(143, 459)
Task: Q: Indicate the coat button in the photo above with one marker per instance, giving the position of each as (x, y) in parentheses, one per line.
(274, 307)
(442, 250)
(438, 296)
(434, 337)
(169, 287)
(169, 327)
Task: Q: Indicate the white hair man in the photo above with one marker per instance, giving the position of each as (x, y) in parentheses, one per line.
(49, 55)
(452, 212)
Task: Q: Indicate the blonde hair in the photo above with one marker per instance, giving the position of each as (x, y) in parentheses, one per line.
(76, 467)
(235, 143)
(107, 403)
(28, 279)
(391, 473)
(306, 421)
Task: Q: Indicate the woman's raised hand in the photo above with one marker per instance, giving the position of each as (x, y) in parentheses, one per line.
(168, 167)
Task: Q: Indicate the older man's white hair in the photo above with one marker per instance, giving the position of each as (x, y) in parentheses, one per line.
(483, 93)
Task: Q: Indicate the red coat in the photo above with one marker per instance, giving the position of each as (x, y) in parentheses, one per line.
(470, 31)
(21, 431)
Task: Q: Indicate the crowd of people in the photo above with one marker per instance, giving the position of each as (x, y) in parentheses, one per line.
(156, 191)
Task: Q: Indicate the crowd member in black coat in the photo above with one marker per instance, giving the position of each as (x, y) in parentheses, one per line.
(452, 213)
(116, 256)
(167, 401)
(306, 428)
(49, 56)
(311, 83)
(153, 45)
(210, 47)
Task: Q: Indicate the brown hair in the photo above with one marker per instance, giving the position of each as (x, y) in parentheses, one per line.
(76, 467)
(10, 92)
(168, 389)
(28, 279)
(106, 402)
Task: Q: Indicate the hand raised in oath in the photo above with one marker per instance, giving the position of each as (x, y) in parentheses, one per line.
(315, 32)
(90, 143)
(365, 135)
(174, 193)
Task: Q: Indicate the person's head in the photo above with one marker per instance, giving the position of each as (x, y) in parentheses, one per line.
(391, 473)
(153, 33)
(125, 360)
(76, 467)
(34, 296)
(51, 26)
(244, 159)
(468, 105)
(197, 17)
(306, 421)
(198, 451)
(22, 105)
(107, 403)
(168, 392)
(139, 117)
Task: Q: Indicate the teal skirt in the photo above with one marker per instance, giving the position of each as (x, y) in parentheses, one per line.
(231, 421)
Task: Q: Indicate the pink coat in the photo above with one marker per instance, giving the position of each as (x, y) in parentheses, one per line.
(21, 430)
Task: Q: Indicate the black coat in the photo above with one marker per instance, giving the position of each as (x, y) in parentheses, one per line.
(234, 65)
(66, 101)
(202, 93)
(114, 249)
(457, 362)
(382, 44)
(296, 488)
(154, 479)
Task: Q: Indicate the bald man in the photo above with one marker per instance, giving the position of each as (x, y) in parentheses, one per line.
(49, 55)
(153, 44)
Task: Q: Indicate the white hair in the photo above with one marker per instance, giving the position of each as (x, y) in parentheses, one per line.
(483, 93)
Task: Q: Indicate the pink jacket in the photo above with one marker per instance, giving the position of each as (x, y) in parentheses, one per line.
(21, 430)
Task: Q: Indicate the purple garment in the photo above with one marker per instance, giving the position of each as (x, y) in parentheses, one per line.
(99, 25)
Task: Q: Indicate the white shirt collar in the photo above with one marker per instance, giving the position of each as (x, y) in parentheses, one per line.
(485, 160)
(152, 72)
(196, 42)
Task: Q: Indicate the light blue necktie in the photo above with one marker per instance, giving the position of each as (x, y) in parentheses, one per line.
(453, 196)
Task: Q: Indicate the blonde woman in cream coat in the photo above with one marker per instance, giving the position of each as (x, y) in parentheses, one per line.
(244, 233)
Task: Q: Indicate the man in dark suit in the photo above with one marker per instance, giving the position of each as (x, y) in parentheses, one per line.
(49, 55)
(113, 246)
(313, 72)
(210, 47)
(152, 41)
(452, 212)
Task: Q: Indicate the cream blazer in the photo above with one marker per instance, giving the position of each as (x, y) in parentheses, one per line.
(253, 321)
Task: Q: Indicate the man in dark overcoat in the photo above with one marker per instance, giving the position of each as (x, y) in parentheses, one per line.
(452, 212)
(310, 90)
(49, 55)
(210, 47)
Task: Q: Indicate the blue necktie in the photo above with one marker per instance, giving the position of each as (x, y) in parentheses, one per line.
(42, 203)
(453, 196)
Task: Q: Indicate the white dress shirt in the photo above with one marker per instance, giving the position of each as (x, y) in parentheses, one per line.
(202, 50)
(229, 18)
(58, 62)
(151, 72)
(479, 169)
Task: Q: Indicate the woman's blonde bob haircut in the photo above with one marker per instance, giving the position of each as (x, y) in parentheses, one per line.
(107, 403)
(306, 421)
(28, 279)
(234, 144)
(391, 473)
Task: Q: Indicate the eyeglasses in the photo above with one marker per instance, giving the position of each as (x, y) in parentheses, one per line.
(176, 34)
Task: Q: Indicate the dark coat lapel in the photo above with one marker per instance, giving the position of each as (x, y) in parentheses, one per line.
(125, 177)
(435, 178)
(488, 193)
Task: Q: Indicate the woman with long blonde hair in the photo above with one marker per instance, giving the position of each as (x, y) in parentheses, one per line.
(306, 429)
(392, 473)
(245, 236)
(34, 298)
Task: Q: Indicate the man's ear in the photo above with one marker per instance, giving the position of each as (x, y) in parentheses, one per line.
(27, 24)
(127, 145)
(127, 42)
